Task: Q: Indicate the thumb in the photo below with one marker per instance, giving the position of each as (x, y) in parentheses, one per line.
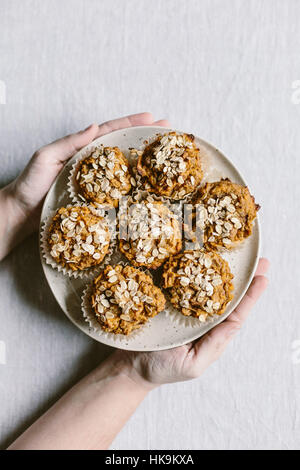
(62, 149)
(213, 344)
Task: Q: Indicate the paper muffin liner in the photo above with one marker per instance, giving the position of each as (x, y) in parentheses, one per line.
(205, 163)
(72, 186)
(90, 317)
(179, 319)
(86, 273)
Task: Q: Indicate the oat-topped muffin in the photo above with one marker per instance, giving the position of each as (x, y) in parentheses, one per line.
(104, 176)
(153, 234)
(171, 165)
(199, 283)
(78, 238)
(124, 298)
(226, 213)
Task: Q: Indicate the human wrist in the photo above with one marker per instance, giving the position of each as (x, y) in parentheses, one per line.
(14, 224)
(129, 365)
(119, 366)
(20, 214)
(12, 207)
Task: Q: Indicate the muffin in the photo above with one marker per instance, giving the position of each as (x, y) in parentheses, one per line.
(153, 234)
(104, 176)
(124, 298)
(226, 213)
(78, 238)
(171, 165)
(199, 283)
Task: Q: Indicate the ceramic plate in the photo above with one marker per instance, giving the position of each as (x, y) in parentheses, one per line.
(164, 331)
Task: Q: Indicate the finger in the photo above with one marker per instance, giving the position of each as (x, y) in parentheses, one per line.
(141, 119)
(240, 313)
(210, 347)
(217, 339)
(262, 267)
(162, 123)
(64, 148)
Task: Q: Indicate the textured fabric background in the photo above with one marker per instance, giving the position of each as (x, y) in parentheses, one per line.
(223, 69)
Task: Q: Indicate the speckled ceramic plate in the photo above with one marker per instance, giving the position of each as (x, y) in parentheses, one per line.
(166, 330)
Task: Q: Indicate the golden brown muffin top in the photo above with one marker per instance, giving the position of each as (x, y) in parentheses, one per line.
(104, 176)
(153, 234)
(226, 212)
(78, 238)
(124, 298)
(171, 165)
(199, 283)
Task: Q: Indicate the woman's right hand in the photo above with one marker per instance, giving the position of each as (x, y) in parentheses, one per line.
(186, 362)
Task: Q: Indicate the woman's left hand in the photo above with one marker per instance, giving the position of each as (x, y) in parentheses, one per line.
(30, 188)
(21, 201)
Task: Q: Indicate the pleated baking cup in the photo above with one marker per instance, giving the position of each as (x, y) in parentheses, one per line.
(72, 186)
(84, 273)
(206, 166)
(184, 321)
(90, 318)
